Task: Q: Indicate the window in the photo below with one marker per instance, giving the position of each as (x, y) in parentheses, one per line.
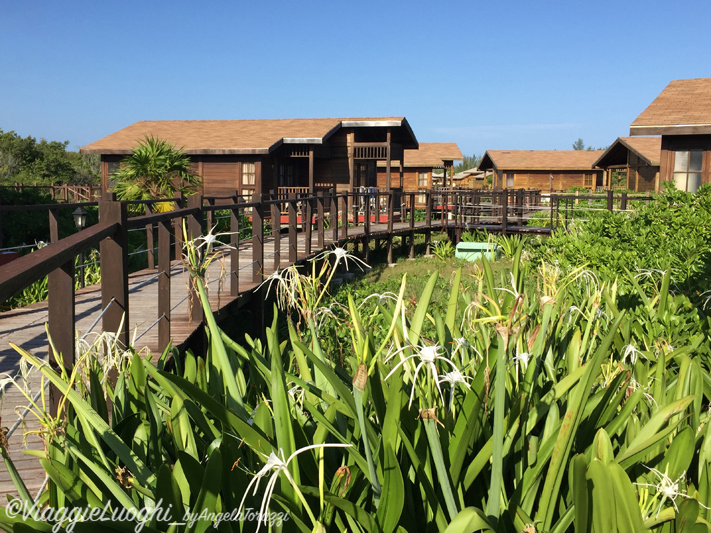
(422, 180)
(588, 180)
(687, 169)
(509, 179)
(248, 174)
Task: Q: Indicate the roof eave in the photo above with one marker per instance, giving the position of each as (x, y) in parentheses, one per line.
(671, 129)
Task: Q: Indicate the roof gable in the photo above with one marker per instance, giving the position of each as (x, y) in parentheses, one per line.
(648, 149)
(682, 108)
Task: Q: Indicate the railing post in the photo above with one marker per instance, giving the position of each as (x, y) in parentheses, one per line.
(428, 221)
(150, 243)
(504, 210)
(610, 198)
(334, 215)
(163, 284)
(623, 202)
(308, 221)
(293, 246)
(194, 227)
(234, 251)
(114, 269)
(53, 224)
(178, 226)
(276, 234)
(320, 226)
(551, 199)
(519, 204)
(366, 215)
(257, 239)
(210, 214)
(61, 325)
(391, 214)
(344, 215)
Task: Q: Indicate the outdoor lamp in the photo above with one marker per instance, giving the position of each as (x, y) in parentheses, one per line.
(79, 218)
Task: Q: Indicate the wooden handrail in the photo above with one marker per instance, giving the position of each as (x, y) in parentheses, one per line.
(29, 268)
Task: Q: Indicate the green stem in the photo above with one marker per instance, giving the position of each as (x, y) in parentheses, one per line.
(442, 473)
(493, 505)
(372, 474)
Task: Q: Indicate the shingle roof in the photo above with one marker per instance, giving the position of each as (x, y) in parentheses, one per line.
(430, 155)
(683, 107)
(233, 136)
(647, 148)
(539, 159)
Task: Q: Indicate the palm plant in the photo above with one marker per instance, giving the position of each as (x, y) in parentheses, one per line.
(155, 170)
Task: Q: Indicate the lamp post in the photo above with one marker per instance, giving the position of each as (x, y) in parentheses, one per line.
(79, 215)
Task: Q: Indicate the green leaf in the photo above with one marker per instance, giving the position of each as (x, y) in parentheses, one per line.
(468, 520)
(393, 494)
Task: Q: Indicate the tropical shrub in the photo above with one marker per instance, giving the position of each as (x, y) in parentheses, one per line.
(155, 170)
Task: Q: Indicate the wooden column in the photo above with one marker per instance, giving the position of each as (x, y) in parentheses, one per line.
(387, 162)
(350, 141)
(150, 243)
(194, 228)
(257, 239)
(61, 324)
(114, 269)
(293, 251)
(163, 284)
(321, 213)
(312, 187)
(276, 234)
(234, 252)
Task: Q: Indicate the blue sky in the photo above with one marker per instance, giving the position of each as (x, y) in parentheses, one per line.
(495, 75)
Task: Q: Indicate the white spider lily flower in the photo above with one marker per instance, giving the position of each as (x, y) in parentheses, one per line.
(382, 298)
(427, 356)
(632, 353)
(460, 343)
(341, 254)
(209, 240)
(275, 465)
(287, 281)
(523, 358)
(454, 377)
(668, 489)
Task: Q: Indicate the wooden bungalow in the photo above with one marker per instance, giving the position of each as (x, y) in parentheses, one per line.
(430, 165)
(547, 170)
(632, 163)
(681, 114)
(259, 156)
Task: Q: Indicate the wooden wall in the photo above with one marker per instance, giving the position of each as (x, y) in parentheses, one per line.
(672, 143)
(541, 179)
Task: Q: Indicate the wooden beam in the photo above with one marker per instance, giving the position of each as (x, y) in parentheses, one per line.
(312, 188)
(387, 162)
(114, 270)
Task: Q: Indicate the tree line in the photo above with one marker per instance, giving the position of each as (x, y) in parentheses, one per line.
(28, 161)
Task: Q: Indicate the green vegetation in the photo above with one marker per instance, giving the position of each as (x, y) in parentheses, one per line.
(541, 393)
(28, 161)
(469, 161)
(155, 170)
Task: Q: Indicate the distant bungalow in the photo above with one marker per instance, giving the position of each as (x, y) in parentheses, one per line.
(547, 170)
(681, 114)
(259, 156)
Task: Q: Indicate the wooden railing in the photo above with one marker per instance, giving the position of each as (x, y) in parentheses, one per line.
(63, 192)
